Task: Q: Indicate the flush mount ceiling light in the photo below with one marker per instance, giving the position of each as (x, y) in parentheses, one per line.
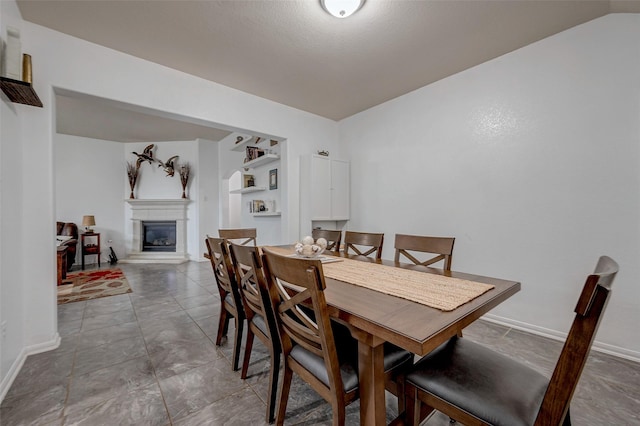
(341, 8)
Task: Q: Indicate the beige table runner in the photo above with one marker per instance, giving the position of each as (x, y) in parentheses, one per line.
(436, 291)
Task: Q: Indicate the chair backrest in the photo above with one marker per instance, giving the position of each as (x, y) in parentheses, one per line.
(247, 263)
(367, 239)
(294, 284)
(573, 357)
(223, 270)
(441, 246)
(333, 238)
(245, 235)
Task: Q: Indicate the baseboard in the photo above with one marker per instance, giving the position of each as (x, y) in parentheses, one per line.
(44, 347)
(141, 258)
(7, 381)
(561, 337)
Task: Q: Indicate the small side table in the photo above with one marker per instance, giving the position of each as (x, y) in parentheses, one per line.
(62, 263)
(90, 248)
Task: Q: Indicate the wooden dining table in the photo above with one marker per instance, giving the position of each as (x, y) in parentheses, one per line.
(374, 318)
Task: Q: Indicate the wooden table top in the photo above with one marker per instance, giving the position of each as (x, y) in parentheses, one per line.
(410, 325)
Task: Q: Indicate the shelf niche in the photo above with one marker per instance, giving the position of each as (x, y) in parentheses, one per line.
(20, 92)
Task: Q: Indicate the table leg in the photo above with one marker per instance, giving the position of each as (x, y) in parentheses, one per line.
(371, 378)
(64, 265)
(60, 266)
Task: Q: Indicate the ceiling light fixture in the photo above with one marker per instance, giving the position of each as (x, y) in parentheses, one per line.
(341, 8)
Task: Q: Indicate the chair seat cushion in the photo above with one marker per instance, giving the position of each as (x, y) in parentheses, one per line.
(347, 348)
(395, 356)
(258, 321)
(315, 365)
(482, 382)
(229, 300)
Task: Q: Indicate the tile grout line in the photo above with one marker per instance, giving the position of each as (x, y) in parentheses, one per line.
(153, 367)
(63, 413)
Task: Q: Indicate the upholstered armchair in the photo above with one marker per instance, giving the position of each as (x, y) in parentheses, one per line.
(68, 229)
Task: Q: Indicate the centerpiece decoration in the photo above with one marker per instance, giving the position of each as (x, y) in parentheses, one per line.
(309, 248)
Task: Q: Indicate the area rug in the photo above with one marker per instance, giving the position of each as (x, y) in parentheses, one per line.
(86, 285)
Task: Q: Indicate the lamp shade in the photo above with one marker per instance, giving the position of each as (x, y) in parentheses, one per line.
(88, 221)
(341, 8)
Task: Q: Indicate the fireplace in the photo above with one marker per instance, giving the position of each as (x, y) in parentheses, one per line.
(157, 244)
(158, 235)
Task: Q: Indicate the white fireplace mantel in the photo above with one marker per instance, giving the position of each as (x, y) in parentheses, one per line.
(138, 204)
(166, 210)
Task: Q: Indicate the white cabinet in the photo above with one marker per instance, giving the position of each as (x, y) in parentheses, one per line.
(340, 183)
(325, 188)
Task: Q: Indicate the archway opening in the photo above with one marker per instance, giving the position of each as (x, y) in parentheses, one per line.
(232, 211)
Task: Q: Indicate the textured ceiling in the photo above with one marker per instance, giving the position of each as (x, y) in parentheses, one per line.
(294, 53)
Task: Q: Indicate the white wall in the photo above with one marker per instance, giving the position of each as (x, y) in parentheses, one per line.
(208, 200)
(61, 61)
(234, 207)
(14, 343)
(530, 161)
(89, 175)
(12, 307)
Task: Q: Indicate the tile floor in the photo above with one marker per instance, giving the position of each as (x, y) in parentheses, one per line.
(148, 358)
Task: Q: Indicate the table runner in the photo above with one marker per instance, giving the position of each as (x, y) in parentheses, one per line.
(436, 291)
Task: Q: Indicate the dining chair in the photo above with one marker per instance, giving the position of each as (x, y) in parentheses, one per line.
(242, 235)
(440, 246)
(229, 294)
(261, 318)
(371, 240)
(320, 351)
(333, 238)
(478, 386)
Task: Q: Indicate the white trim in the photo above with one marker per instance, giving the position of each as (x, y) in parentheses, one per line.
(606, 348)
(22, 357)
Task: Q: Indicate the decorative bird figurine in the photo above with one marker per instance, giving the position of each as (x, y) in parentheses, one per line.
(147, 155)
(168, 166)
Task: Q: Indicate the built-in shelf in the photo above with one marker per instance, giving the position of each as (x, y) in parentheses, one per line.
(260, 161)
(267, 214)
(20, 92)
(249, 140)
(248, 190)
